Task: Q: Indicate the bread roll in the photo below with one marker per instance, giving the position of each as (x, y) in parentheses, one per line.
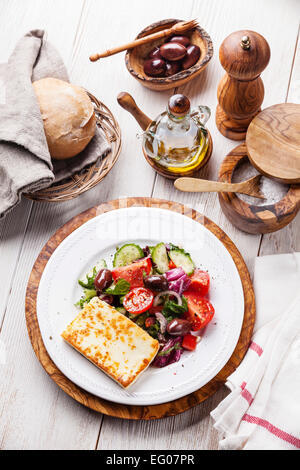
(68, 116)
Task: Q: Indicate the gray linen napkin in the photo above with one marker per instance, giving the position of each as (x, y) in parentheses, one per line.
(25, 163)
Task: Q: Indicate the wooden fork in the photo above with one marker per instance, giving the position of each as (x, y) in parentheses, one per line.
(195, 185)
(177, 28)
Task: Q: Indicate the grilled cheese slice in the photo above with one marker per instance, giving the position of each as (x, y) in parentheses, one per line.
(111, 341)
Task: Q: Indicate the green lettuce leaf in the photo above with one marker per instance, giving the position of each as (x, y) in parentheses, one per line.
(122, 287)
(88, 294)
(173, 310)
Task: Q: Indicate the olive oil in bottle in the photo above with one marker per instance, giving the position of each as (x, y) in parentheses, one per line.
(177, 140)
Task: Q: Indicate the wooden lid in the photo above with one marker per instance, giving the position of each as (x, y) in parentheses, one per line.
(273, 142)
(244, 54)
(179, 105)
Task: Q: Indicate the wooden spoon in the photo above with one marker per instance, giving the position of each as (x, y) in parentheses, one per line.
(196, 185)
(177, 28)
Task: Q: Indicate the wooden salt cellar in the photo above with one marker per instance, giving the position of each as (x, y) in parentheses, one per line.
(273, 147)
(253, 218)
(244, 55)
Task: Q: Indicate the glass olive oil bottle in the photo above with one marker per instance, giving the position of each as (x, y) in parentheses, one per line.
(177, 140)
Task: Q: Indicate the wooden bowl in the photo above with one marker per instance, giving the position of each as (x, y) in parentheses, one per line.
(136, 57)
(91, 176)
(252, 218)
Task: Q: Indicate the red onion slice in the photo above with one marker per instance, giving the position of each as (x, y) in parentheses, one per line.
(161, 338)
(167, 292)
(174, 274)
(180, 284)
(162, 321)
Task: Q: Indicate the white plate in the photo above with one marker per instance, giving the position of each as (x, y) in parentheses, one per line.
(98, 238)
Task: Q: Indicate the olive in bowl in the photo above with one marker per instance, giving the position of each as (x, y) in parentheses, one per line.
(155, 67)
(172, 68)
(172, 51)
(192, 56)
(135, 58)
(184, 40)
(155, 53)
(178, 53)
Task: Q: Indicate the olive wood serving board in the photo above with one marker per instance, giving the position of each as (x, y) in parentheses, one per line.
(273, 142)
(115, 409)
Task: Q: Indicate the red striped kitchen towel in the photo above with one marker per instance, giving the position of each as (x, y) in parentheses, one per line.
(263, 409)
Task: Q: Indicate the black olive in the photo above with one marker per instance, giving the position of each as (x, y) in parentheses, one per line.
(184, 40)
(172, 67)
(103, 279)
(109, 299)
(172, 51)
(179, 327)
(154, 53)
(154, 67)
(156, 282)
(192, 56)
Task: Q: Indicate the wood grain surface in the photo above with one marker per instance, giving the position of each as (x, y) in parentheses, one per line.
(230, 128)
(241, 90)
(115, 409)
(254, 218)
(273, 142)
(251, 186)
(34, 412)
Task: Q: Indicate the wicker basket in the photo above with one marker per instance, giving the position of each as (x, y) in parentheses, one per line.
(89, 177)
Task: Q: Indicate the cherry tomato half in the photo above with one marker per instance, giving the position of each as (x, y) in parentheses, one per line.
(189, 342)
(200, 310)
(138, 300)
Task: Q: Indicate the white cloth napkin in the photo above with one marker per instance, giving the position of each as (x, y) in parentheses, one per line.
(263, 409)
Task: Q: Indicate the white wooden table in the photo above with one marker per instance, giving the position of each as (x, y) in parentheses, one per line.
(34, 412)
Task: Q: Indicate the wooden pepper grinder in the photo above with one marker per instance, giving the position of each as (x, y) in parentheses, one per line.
(244, 55)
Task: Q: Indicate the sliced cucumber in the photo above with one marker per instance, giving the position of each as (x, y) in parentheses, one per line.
(160, 258)
(127, 254)
(183, 260)
(151, 248)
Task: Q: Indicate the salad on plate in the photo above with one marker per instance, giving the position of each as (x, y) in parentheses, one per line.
(160, 289)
